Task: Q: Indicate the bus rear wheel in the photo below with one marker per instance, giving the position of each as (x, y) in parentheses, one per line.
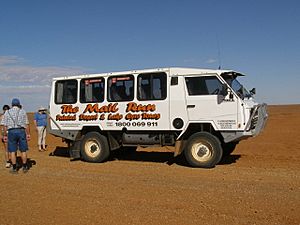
(203, 150)
(94, 147)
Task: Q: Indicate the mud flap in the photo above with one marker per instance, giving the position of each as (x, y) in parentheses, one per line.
(74, 150)
(179, 145)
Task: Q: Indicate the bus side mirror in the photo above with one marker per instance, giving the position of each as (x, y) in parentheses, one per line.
(253, 91)
(224, 90)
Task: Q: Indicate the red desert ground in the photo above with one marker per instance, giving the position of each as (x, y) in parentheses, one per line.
(258, 184)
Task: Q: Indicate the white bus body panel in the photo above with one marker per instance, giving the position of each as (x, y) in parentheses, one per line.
(157, 115)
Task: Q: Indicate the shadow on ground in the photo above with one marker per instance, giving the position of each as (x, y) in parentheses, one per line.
(61, 152)
(162, 157)
(230, 159)
(145, 156)
(30, 162)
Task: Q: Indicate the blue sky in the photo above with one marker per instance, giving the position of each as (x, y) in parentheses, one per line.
(42, 39)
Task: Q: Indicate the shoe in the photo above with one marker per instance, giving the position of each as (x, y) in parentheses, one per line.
(13, 171)
(7, 165)
(25, 169)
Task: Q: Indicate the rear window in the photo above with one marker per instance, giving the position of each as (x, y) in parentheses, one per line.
(152, 86)
(66, 92)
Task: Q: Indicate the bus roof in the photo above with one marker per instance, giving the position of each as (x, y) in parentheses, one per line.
(173, 71)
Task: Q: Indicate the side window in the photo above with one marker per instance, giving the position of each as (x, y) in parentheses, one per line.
(152, 86)
(120, 88)
(66, 92)
(203, 85)
(92, 90)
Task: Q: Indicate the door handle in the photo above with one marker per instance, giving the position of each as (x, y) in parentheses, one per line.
(190, 106)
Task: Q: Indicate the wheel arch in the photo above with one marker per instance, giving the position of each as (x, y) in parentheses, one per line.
(200, 127)
(87, 129)
(112, 141)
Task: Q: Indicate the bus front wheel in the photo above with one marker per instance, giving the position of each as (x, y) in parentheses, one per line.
(203, 150)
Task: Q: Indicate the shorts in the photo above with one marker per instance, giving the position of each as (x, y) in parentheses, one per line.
(16, 139)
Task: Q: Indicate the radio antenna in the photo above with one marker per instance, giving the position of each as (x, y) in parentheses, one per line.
(219, 52)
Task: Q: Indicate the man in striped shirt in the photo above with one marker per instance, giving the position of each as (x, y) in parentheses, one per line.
(15, 122)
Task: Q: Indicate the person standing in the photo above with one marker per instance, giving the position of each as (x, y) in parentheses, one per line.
(7, 157)
(16, 125)
(40, 122)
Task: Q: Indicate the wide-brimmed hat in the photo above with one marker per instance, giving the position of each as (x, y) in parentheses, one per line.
(42, 108)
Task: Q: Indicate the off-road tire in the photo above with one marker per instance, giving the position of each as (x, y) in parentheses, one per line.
(203, 150)
(94, 147)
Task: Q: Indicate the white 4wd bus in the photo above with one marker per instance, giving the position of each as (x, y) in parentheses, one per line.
(202, 113)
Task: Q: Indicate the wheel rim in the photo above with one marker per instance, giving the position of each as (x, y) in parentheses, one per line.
(92, 148)
(202, 151)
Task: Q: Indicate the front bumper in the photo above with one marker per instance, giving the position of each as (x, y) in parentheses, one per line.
(256, 124)
(258, 120)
